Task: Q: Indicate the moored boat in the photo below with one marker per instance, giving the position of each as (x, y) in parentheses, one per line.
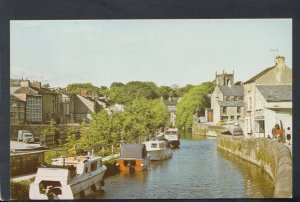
(172, 137)
(158, 150)
(68, 178)
(133, 157)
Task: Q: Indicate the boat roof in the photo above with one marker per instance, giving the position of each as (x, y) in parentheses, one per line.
(172, 129)
(154, 141)
(137, 151)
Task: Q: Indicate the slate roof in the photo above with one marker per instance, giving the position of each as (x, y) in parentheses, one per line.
(13, 89)
(26, 90)
(137, 151)
(43, 90)
(254, 78)
(232, 90)
(239, 103)
(276, 93)
(13, 97)
(88, 103)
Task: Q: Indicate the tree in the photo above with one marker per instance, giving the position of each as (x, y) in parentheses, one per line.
(140, 119)
(78, 87)
(167, 92)
(125, 94)
(180, 92)
(194, 100)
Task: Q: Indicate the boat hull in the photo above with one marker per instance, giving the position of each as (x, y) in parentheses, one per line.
(157, 155)
(76, 190)
(134, 164)
(174, 144)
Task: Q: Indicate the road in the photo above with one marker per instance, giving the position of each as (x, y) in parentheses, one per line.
(14, 145)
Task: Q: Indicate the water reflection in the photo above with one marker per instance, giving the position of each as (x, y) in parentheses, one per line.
(197, 170)
(257, 183)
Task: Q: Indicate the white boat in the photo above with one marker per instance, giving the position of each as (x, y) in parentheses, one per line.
(68, 178)
(172, 137)
(157, 150)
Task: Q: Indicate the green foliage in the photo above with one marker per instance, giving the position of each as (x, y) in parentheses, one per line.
(195, 100)
(71, 140)
(125, 94)
(54, 153)
(139, 120)
(167, 92)
(20, 190)
(180, 92)
(51, 129)
(78, 87)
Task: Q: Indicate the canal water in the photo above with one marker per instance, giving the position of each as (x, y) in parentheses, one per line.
(197, 170)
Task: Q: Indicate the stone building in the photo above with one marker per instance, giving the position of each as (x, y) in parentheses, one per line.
(226, 99)
(227, 103)
(257, 104)
(224, 79)
(49, 101)
(17, 109)
(273, 106)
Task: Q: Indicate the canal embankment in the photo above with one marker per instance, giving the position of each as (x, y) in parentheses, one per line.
(203, 129)
(272, 156)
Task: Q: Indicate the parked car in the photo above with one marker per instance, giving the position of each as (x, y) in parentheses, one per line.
(220, 123)
(237, 131)
(25, 136)
(229, 122)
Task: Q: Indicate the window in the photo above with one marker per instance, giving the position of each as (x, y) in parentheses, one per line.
(94, 166)
(238, 110)
(100, 163)
(224, 110)
(232, 117)
(153, 145)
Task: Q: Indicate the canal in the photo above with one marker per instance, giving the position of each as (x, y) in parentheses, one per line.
(197, 170)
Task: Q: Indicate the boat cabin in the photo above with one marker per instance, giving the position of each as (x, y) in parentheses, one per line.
(133, 157)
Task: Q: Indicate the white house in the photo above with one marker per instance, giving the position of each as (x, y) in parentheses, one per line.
(259, 109)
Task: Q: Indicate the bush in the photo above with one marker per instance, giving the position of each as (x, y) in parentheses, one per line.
(20, 190)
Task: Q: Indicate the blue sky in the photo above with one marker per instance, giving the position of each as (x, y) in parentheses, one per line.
(166, 52)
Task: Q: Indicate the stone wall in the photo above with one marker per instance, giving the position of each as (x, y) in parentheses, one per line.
(36, 129)
(25, 163)
(206, 130)
(272, 156)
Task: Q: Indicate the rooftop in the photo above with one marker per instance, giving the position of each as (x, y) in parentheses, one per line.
(276, 93)
(232, 90)
(254, 78)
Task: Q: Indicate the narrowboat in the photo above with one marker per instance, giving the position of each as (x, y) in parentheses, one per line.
(158, 150)
(133, 157)
(172, 137)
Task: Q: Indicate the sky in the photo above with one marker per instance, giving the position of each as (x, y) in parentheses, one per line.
(167, 52)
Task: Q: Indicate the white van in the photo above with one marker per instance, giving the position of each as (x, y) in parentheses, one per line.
(25, 136)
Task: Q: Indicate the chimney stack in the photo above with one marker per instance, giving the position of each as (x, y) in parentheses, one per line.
(37, 84)
(24, 83)
(280, 62)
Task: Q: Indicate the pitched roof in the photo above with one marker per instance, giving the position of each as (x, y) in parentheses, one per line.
(43, 90)
(276, 93)
(13, 97)
(232, 90)
(13, 89)
(254, 78)
(26, 90)
(88, 103)
(239, 103)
